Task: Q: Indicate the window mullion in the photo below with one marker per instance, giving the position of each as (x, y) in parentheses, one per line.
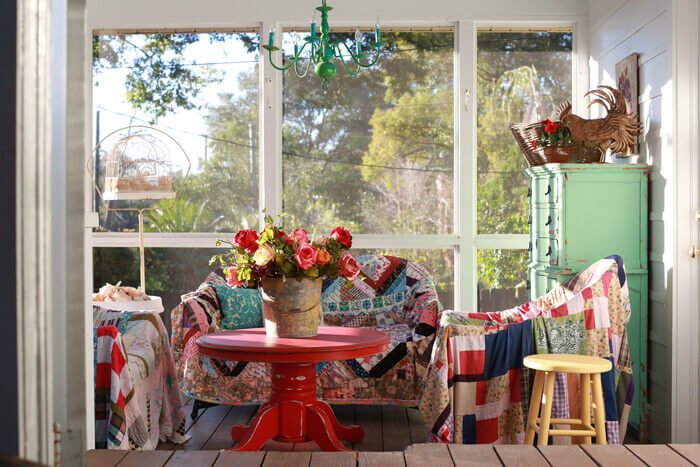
(270, 153)
(465, 165)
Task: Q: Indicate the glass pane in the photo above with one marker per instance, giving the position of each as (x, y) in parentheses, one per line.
(438, 263)
(375, 151)
(200, 89)
(170, 272)
(502, 279)
(521, 77)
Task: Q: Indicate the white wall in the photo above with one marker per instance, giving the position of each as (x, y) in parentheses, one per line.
(218, 13)
(617, 29)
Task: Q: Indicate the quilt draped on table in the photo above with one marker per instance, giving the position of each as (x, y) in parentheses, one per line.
(476, 389)
(154, 411)
(113, 390)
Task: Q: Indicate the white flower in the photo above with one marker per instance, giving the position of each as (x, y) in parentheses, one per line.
(264, 254)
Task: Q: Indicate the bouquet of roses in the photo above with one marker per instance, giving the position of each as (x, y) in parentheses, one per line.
(273, 252)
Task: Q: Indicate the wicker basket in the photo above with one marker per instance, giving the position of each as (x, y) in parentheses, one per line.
(526, 133)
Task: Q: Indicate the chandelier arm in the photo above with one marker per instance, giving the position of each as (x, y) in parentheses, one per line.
(298, 54)
(339, 53)
(280, 68)
(373, 62)
(296, 68)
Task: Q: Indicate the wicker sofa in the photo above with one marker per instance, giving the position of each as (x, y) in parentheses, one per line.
(396, 296)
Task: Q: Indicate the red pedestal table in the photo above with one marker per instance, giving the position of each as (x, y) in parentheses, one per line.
(293, 414)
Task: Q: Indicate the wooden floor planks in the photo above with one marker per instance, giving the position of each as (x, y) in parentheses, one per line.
(394, 437)
(415, 455)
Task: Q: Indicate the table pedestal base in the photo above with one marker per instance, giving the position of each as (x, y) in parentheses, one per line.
(294, 415)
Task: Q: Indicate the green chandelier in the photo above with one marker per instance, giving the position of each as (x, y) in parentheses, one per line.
(324, 51)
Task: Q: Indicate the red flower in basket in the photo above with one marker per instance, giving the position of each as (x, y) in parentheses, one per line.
(343, 236)
(534, 144)
(247, 239)
(551, 127)
(306, 255)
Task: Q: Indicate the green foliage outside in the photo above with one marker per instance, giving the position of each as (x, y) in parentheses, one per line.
(375, 153)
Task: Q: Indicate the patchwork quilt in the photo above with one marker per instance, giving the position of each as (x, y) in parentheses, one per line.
(113, 390)
(476, 389)
(152, 400)
(396, 296)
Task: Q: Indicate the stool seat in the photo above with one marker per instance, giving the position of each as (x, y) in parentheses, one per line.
(566, 363)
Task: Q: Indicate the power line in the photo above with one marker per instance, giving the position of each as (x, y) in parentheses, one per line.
(235, 62)
(286, 153)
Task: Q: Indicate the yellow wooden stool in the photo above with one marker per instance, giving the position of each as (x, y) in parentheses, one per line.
(546, 366)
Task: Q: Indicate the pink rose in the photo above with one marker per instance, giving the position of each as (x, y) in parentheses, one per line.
(232, 276)
(300, 236)
(349, 267)
(247, 239)
(306, 255)
(343, 236)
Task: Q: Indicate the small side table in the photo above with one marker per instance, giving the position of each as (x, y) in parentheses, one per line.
(294, 414)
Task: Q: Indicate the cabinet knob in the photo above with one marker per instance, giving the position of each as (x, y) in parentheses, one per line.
(549, 190)
(549, 220)
(549, 251)
(694, 251)
(697, 216)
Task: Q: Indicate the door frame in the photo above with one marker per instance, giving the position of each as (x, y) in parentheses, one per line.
(685, 356)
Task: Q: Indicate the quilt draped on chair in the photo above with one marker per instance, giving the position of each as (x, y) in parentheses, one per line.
(476, 389)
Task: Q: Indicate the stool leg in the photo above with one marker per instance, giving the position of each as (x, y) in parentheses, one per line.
(535, 402)
(586, 403)
(546, 414)
(599, 410)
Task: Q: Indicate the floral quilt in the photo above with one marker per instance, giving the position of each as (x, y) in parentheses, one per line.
(476, 389)
(152, 399)
(396, 296)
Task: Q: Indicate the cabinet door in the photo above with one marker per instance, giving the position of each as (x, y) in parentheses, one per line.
(603, 215)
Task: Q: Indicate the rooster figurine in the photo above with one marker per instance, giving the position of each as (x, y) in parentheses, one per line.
(617, 130)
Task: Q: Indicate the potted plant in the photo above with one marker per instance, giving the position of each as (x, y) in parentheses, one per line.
(555, 142)
(288, 268)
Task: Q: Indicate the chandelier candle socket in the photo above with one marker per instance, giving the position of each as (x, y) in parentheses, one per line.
(323, 50)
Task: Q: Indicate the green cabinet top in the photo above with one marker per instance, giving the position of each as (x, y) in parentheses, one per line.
(583, 212)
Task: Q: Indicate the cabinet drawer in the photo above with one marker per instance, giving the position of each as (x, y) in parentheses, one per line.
(545, 221)
(546, 190)
(546, 251)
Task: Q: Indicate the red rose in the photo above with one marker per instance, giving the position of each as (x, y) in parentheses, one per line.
(288, 240)
(232, 277)
(534, 145)
(306, 255)
(551, 127)
(279, 234)
(349, 267)
(343, 236)
(300, 236)
(246, 238)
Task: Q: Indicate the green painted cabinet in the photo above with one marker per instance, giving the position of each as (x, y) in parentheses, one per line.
(580, 213)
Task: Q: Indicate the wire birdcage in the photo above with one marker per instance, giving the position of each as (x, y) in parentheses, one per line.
(139, 165)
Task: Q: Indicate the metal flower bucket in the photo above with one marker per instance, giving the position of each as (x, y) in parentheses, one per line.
(291, 308)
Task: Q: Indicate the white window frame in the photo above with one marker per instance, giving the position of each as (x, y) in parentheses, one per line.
(465, 241)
